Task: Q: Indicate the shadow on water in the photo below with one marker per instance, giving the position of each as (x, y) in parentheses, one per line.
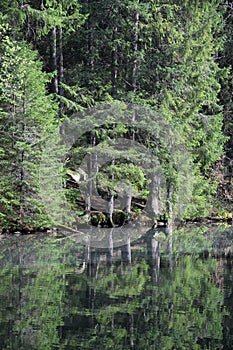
(155, 290)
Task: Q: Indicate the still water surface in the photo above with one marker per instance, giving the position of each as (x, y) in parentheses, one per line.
(155, 293)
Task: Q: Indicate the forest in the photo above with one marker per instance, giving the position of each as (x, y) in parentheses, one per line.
(111, 111)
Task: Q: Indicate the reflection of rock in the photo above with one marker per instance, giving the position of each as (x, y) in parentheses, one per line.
(98, 237)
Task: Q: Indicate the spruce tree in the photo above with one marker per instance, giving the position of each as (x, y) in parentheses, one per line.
(27, 115)
(163, 55)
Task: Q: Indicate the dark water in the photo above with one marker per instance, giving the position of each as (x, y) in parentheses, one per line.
(155, 293)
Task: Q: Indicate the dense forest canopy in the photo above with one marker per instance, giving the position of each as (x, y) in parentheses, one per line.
(143, 71)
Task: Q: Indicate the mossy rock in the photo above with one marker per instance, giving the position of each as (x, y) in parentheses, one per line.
(99, 219)
(18, 227)
(119, 217)
(146, 220)
(134, 215)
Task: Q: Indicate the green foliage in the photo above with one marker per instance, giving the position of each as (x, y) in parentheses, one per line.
(173, 57)
(63, 14)
(27, 116)
(176, 71)
(121, 175)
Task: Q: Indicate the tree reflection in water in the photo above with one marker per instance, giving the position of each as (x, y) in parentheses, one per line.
(136, 296)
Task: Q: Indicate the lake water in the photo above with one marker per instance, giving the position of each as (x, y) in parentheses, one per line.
(155, 292)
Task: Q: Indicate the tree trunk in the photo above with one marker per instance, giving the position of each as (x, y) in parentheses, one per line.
(61, 72)
(170, 191)
(156, 258)
(126, 252)
(92, 166)
(90, 40)
(153, 200)
(170, 216)
(21, 187)
(22, 171)
(114, 63)
(127, 204)
(109, 254)
(135, 49)
(110, 202)
(110, 208)
(54, 59)
(128, 198)
(132, 328)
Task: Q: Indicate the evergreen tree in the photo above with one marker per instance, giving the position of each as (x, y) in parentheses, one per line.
(183, 80)
(158, 54)
(27, 117)
(163, 55)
